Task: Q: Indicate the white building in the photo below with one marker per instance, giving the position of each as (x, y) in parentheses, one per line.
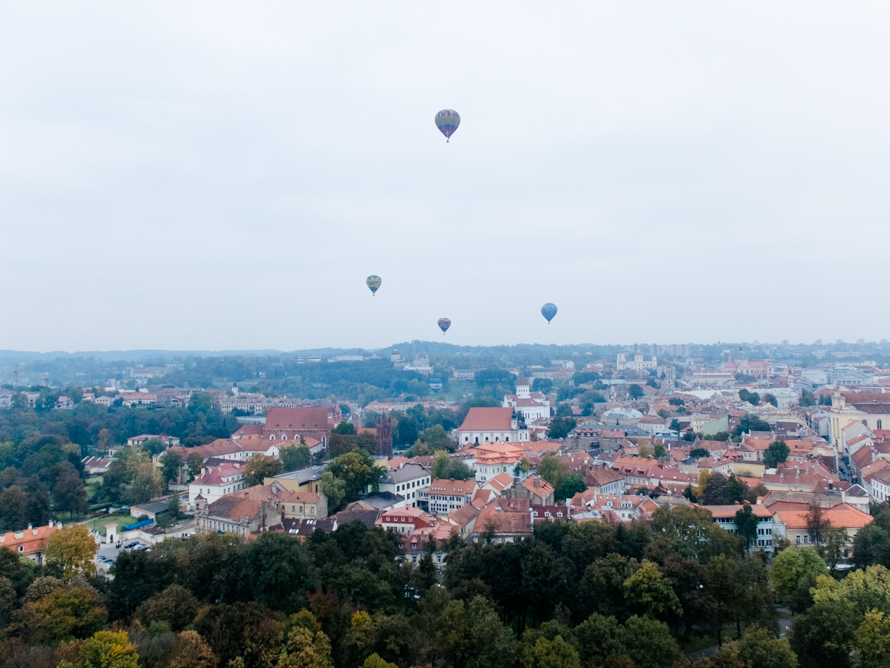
(218, 481)
(638, 363)
(410, 481)
(487, 425)
(531, 405)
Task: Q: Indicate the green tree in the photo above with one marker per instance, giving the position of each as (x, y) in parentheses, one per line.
(556, 653)
(147, 484)
(807, 398)
(374, 661)
(823, 636)
(699, 452)
(560, 427)
(106, 649)
(171, 465)
(69, 493)
(552, 470)
(358, 471)
(648, 593)
(572, 483)
(345, 429)
(636, 392)
(194, 462)
(175, 606)
(294, 458)
(64, 614)
(72, 551)
(446, 468)
(277, 571)
(648, 642)
(334, 489)
(259, 467)
(873, 639)
(190, 651)
(746, 524)
(659, 451)
(791, 566)
(775, 454)
(771, 399)
(173, 511)
(758, 650)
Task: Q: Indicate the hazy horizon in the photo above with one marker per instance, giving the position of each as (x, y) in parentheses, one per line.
(224, 177)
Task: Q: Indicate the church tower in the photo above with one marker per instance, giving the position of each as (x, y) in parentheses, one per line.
(384, 436)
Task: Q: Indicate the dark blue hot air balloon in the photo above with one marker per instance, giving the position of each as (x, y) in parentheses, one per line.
(548, 310)
(447, 121)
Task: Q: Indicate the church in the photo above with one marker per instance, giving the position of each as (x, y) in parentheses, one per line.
(531, 405)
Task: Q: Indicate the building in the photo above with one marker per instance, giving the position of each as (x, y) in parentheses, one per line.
(31, 542)
(531, 405)
(769, 527)
(139, 399)
(534, 488)
(486, 425)
(638, 363)
(303, 480)
(494, 458)
(218, 481)
(410, 481)
(503, 521)
(233, 514)
(871, 409)
(405, 520)
(446, 496)
(292, 424)
(798, 529)
(137, 441)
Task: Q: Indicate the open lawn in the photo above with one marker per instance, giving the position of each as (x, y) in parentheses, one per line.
(99, 523)
(92, 486)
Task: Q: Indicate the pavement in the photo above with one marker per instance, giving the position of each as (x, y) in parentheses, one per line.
(112, 552)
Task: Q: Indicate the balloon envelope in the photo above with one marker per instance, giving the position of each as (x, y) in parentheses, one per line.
(444, 324)
(435, 384)
(447, 121)
(548, 310)
(374, 283)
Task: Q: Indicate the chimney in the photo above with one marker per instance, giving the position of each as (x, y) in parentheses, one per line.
(537, 481)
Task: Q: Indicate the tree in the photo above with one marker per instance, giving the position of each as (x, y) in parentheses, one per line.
(715, 491)
(543, 385)
(552, 470)
(69, 493)
(173, 512)
(560, 427)
(195, 463)
(294, 458)
(792, 565)
(106, 649)
(277, 571)
(358, 471)
(556, 653)
(305, 649)
(636, 392)
(259, 467)
(775, 454)
(699, 452)
(334, 489)
(873, 639)
(175, 606)
(64, 614)
(807, 398)
(757, 648)
(676, 401)
(746, 524)
(659, 451)
(153, 446)
(171, 465)
(147, 484)
(571, 484)
(72, 549)
(190, 651)
(648, 642)
(345, 429)
(648, 593)
(13, 509)
(446, 468)
(823, 636)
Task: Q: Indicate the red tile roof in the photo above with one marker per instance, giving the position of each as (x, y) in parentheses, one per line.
(488, 419)
(315, 417)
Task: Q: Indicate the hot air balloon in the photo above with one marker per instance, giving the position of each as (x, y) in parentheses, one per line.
(435, 384)
(447, 121)
(374, 284)
(444, 324)
(548, 310)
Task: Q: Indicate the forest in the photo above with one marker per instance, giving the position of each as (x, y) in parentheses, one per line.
(574, 594)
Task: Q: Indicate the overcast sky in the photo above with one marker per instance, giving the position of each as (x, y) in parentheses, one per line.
(187, 175)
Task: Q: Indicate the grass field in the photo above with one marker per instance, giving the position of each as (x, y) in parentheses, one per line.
(99, 523)
(92, 485)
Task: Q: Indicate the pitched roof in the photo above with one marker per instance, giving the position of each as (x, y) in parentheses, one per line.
(543, 489)
(304, 417)
(216, 475)
(505, 516)
(453, 487)
(32, 540)
(463, 515)
(235, 508)
(841, 515)
(488, 419)
(729, 511)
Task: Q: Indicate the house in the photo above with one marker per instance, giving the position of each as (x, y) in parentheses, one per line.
(535, 489)
(64, 403)
(870, 409)
(137, 441)
(637, 364)
(798, 530)
(531, 405)
(6, 397)
(602, 480)
(105, 401)
(503, 521)
(130, 399)
(464, 519)
(770, 528)
(617, 507)
(303, 480)
(446, 496)
(486, 425)
(410, 481)
(288, 504)
(95, 465)
(549, 513)
(290, 424)
(494, 458)
(218, 481)
(234, 514)
(31, 542)
(405, 520)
